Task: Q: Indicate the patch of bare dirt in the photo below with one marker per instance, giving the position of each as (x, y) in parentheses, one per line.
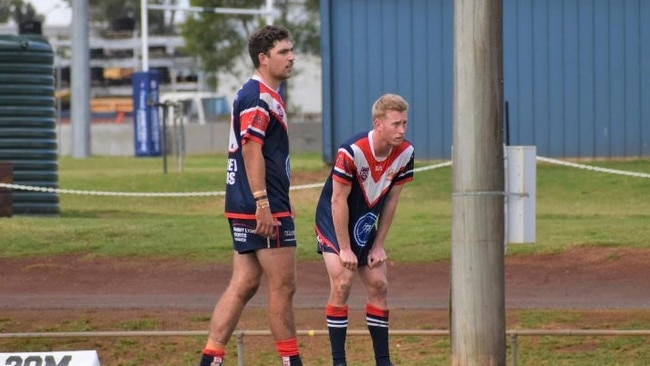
(586, 278)
(607, 287)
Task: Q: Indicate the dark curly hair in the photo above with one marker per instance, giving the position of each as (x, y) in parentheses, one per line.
(263, 39)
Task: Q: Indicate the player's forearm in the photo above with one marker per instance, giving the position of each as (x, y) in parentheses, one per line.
(341, 217)
(382, 229)
(386, 216)
(255, 167)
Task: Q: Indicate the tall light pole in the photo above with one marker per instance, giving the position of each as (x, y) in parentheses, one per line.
(80, 80)
(269, 9)
(478, 335)
(144, 34)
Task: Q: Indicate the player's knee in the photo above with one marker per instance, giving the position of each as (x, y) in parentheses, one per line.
(285, 286)
(245, 290)
(378, 288)
(342, 286)
(289, 288)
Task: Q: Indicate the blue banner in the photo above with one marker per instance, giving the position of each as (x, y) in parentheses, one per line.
(146, 121)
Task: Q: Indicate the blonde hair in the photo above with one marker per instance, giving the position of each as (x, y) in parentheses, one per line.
(388, 102)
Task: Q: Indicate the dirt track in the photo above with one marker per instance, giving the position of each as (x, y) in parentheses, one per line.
(586, 278)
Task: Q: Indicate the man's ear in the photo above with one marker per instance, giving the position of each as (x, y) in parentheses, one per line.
(263, 58)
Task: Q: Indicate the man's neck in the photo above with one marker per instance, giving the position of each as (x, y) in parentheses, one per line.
(273, 83)
(380, 148)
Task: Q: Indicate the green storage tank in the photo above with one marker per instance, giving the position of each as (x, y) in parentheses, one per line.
(28, 121)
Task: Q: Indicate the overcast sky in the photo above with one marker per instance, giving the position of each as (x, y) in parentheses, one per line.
(57, 12)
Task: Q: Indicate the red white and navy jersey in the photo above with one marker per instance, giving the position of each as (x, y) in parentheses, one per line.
(371, 180)
(258, 116)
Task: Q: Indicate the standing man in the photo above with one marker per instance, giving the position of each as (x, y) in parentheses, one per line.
(257, 202)
(353, 215)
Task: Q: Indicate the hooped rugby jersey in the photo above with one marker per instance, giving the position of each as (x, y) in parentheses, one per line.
(258, 116)
(371, 180)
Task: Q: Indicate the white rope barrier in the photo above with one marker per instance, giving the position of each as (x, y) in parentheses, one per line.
(592, 168)
(22, 187)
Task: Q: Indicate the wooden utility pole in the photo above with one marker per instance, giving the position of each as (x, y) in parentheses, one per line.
(478, 335)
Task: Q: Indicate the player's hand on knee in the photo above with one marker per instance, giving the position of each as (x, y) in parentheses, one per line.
(376, 258)
(348, 259)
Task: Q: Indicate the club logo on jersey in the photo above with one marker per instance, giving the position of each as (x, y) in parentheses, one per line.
(391, 174)
(257, 122)
(363, 173)
(363, 228)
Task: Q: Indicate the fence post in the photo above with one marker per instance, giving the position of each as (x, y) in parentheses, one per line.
(240, 348)
(513, 348)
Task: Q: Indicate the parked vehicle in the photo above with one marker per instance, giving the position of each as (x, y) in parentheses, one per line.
(198, 107)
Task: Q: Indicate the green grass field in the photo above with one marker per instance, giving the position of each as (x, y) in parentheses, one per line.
(574, 208)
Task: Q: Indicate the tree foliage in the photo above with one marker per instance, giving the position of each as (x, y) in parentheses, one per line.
(303, 19)
(219, 40)
(19, 11)
(106, 11)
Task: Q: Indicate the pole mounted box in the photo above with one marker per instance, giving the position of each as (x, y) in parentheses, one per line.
(521, 175)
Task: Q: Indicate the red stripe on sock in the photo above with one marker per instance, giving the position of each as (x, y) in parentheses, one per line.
(287, 347)
(338, 311)
(373, 310)
(214, 352)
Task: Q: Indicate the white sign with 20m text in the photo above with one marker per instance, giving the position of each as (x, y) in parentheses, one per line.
(63, 358)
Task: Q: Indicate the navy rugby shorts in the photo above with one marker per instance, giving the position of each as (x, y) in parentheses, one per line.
(245, 241)
(324, 245)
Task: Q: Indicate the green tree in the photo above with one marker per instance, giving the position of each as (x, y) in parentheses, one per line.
(218, 41)
(19, 11)
(302, 17)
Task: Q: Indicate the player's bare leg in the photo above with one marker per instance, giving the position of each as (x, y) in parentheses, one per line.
(341, 279)
(245, 280)
(376, 282)
(279, 266)
(336, 311)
